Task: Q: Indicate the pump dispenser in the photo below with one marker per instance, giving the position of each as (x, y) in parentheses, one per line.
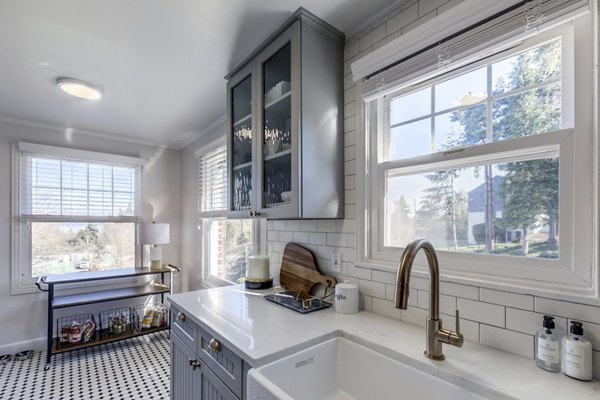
(547, 346)
(577, 354)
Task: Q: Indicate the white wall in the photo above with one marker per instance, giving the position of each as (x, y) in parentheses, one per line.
(500, 319)
(191, 274)
(23, 316)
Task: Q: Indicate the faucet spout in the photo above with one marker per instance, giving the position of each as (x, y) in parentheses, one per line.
(435, 334)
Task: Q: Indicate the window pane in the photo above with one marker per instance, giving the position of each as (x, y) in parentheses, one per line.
(462, 128)
(528, 113)
(410, 140)
(229, 243)
(462, 90)
(61, 247)
(519, 201)
(410, 106)
(528, 68)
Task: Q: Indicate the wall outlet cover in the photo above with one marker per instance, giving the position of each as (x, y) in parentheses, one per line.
(336, 261)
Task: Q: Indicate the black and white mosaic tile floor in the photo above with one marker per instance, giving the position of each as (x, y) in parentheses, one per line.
(133, 369)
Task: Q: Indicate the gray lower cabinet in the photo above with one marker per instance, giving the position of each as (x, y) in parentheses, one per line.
(210, 372)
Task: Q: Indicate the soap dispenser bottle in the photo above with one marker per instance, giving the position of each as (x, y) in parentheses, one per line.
(577, 354)
(547, 346)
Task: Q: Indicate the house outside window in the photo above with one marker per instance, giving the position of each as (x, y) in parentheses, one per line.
(73, 211)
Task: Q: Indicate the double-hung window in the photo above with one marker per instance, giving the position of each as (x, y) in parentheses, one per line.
(225, 242)
(492, 162)
(73, 211)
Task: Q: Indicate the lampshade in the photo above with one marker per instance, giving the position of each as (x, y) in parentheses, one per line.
(154, 233)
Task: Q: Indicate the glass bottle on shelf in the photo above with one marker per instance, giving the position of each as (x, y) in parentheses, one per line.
(276, 138)
(241, 146)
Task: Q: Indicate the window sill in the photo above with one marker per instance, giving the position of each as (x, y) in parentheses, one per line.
(512, 285)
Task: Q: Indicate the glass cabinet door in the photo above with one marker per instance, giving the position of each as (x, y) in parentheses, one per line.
(277, 130)
(241, 145)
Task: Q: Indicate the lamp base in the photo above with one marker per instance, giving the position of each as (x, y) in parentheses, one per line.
(156, 264)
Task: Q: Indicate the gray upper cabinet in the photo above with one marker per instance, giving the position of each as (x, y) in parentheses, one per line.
(285, 119)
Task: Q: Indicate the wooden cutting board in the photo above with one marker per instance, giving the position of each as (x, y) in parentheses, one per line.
(299, 271)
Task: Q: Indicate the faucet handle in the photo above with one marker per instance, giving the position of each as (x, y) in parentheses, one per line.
(457, 322)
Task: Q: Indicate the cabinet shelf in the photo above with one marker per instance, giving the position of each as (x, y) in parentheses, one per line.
(106, 295)
(243, 119)
(242, 166)
(58, 348)
(277, 155)
(278, 99)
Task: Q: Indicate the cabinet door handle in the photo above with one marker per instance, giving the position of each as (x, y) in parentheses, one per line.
(194, 363)
(214, 345)
(181, 316)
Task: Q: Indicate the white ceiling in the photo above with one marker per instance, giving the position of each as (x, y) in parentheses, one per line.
(161, 63)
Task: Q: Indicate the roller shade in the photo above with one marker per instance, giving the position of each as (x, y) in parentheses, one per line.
(491, 36)
(212, 182)
(66, 189)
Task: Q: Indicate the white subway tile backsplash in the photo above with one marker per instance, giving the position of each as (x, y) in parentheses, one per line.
(273, 236)
(279, 225)
(458, 290)
(350, 167)
(350, 124)
(350, 181)
(365, 302)
(327, 225)
(503, 339)
(385, 307)
(350, 153)
(361, 273)
(371, 288)
(402, 19)
(349, 95)
(523, 301)
(336, 239)
(577, 311)
(447, 303)
(309, 225)
(348, 254)
(350, 210)
(293, 225)
(349, 139)
(317, 238)
(419, 283)
(384, 277)
(491, 314)
(286, 236)
(530, 322)
(469, 329)
(372, 37)
(426, 6)
(301, 237)
(346, 226)
(350, 50)
(415, 316)
(350, 108)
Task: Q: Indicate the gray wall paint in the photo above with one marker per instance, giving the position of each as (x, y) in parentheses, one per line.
(24, 316)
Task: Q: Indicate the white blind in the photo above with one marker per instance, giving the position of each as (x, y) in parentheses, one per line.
(61, 188)
(491, 36)
(212, 182)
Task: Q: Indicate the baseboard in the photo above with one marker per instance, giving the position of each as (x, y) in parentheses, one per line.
(33, 344)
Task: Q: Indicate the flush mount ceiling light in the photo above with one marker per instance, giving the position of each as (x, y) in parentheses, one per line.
(79, 89)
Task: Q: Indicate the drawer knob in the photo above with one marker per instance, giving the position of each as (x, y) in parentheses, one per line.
(181, 316)
(214, 345)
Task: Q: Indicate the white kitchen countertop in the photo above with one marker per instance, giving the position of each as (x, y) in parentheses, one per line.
(261, 332)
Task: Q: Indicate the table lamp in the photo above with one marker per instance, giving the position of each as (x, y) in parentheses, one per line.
(154, 235)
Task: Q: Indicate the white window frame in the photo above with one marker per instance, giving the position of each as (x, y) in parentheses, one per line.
(22, 281)
(574, 274)
(205, 220)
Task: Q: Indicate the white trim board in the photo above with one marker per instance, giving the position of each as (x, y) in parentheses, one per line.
(457, 18)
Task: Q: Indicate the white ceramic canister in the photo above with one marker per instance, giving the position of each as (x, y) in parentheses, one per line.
(346, 298)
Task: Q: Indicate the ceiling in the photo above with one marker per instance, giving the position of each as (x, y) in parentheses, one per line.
(161, 63)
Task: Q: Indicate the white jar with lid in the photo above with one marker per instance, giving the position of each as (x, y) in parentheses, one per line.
(346, 298)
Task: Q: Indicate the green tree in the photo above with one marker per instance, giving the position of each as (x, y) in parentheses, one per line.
(531, 188)
(440, 197)
(87, 240)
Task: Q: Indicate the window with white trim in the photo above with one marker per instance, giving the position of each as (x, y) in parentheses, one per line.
(225, 242)
(491, 162)
(73, 211)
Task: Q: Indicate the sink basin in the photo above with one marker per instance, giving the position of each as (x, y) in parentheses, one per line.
(342, 369)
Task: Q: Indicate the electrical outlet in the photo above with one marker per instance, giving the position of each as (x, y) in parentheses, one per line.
(336, 261)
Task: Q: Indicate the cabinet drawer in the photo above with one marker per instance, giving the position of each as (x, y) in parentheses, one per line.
(221, 360)
(184, 327)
